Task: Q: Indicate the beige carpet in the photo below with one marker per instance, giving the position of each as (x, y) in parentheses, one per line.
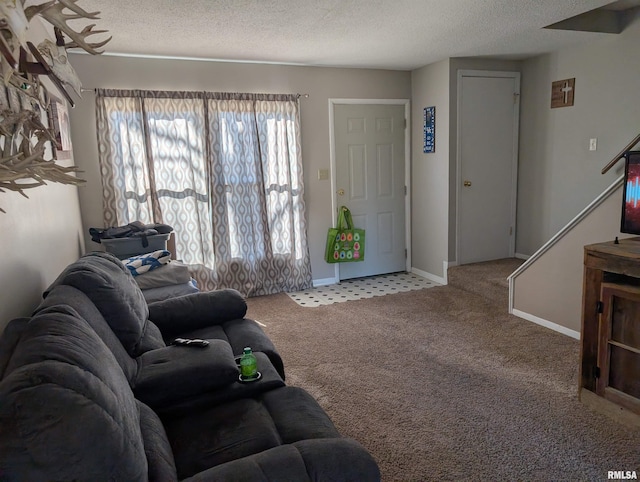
(443, 384)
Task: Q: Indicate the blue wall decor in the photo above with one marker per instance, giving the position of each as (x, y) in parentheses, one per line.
(429, 130)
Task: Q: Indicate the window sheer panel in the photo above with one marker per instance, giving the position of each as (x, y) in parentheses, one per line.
(177, 141)
(279, 133)
(125, 181)
(242, 247)
(283, 174)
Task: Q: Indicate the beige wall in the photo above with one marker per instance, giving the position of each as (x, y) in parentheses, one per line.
(430, 172)
(320, 83)
(551, 288)
(558, 175)
(434, 175)
(39, 237)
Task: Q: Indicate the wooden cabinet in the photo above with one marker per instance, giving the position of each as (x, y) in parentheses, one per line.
(610, 341)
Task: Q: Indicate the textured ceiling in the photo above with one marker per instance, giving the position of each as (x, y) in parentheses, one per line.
(387, 34)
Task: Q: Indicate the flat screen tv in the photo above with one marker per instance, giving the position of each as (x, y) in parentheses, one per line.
(631, 197)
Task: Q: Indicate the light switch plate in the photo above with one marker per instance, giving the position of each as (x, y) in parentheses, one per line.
(593, 144)
(323, 174)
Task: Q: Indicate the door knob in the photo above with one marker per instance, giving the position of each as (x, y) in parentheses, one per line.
(340, 192)
(467, 183)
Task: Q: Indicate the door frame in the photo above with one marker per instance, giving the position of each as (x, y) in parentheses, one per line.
(514, 161)
(407, 165)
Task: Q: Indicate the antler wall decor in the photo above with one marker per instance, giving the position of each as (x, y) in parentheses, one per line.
(24, 102)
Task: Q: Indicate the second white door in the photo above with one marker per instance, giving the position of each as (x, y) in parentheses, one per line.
(488, 106)
(370, 180)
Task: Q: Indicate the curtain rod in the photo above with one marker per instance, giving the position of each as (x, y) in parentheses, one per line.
(306, 96)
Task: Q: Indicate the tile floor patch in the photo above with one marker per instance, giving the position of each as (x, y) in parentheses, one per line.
(359, 288)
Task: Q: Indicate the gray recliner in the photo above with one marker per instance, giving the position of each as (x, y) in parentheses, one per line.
(89, 390)
(68, 412)
(141, 327)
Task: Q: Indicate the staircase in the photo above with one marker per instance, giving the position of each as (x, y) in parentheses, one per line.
(547, 288)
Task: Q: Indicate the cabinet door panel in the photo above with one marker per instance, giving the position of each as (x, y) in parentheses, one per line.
(619, 345)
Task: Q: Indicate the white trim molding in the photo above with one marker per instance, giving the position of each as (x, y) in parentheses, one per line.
(559, 235)
(324, 282)
(546, 323)
(431, 277)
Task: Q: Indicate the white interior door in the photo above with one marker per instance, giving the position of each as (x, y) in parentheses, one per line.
(369, 143)
(488, 110)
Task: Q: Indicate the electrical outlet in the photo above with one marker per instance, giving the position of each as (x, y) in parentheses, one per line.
(593, 144)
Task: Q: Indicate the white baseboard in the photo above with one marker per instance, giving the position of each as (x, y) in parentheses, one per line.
(522, 256)
(429, 276)
(546, 323)
(324, 282)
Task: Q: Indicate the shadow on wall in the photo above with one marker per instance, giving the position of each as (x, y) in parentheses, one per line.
(22, 281)
(22, 287)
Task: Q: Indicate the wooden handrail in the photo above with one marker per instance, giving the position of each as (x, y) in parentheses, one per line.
(621, 154)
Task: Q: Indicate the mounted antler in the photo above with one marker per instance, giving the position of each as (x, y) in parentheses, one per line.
(24, 139)
(55, 16)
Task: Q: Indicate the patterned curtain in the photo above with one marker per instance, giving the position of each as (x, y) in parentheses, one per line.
(223, 169)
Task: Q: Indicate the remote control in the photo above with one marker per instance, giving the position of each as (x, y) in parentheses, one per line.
(187, 342)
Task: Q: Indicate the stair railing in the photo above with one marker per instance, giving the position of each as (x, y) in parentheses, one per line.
(621, 154)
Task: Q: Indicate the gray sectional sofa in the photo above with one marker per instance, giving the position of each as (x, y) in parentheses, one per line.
(92, 389)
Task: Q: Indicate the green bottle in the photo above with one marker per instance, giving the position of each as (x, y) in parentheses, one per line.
(248, 365)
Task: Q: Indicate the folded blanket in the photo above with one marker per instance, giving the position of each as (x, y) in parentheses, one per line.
(142, 263)
(171, 291)
(172, 273)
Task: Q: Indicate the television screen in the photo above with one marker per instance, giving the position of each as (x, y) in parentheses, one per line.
(631, 198)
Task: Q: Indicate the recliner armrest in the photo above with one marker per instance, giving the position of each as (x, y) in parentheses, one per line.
(174, 373)
(191, 312)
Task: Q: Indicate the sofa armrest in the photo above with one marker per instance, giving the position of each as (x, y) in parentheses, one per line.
(191, 312)
(169, 375)
(269, 380)
(314, 459)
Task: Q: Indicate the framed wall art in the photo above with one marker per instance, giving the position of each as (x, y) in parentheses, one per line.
(429, 144)
(59, 118)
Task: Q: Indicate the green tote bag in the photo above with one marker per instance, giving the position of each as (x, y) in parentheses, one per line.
(345, 244)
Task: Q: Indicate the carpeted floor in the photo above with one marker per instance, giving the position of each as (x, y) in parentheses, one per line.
(443, 384)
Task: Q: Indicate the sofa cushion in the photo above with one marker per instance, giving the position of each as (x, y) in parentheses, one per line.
(240, 333)
(162, 467)
(110, 286)
(297, 415)
(269, 380)
(9, 341)
(307, 460)
(245, 427)
(63, 297)
(221, 434)
(151, 338)
(177, 373)
(282, 463)
(67, 411)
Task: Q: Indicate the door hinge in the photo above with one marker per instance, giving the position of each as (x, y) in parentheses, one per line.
(510, 230)
(596, 372)
(599, 307)
(515, 97)
(405, 122)
(405, 190)
(405, 253)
